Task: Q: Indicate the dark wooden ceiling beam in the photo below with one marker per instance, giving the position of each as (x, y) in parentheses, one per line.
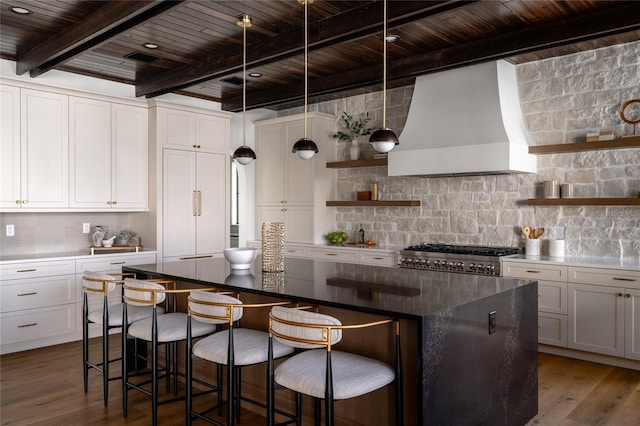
(622, 19)
(351, 25)
(108, 21)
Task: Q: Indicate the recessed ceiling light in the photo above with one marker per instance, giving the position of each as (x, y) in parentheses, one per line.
(392, 37)
(255, 74)
(20, 10)
(151, 45)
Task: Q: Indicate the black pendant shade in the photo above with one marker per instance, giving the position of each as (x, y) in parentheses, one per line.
(383, 140)
(305, 148)
(244, 155)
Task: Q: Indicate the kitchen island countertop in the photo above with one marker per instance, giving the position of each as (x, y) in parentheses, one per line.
(450, 338)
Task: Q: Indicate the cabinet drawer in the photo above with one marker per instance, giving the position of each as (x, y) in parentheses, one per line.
(37, 269)
(535, 271)
(37, 292)
(38, 323)
(113, 263)
(295, 252)
(382, 259)
(609, 277)
(552, 297)
(552, 329)
(335, 255)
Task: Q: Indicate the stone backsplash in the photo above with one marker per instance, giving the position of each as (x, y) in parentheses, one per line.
(562, 99)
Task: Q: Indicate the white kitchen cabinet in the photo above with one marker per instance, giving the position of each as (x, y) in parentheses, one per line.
(298, 221)
(596, 319)
(195, 203)
(37, 304)
(36, 174)
(632, 324)
(10, 147)
(603, 314)
(552, 298)
(289, 189)
(182, 129)
(109, 155)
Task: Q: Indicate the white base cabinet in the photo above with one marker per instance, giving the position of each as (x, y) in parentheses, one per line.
(552, 298)
(588, 309)
(41, 300)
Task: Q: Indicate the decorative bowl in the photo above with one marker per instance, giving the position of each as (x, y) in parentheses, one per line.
(240, 257)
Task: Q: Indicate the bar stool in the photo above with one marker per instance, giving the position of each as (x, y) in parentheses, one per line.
(167, 329)
(321, 372)
(235, 347)
(107, 315)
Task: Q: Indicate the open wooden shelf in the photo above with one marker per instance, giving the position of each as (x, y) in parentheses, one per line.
(370, 203)
(584, 201)
(357, 163)
(630, 142)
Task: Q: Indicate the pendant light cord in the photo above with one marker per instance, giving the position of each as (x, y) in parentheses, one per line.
(306, 75)
(244, 83)
(384, 66)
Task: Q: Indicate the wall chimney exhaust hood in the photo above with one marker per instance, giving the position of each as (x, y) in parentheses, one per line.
(465, 121)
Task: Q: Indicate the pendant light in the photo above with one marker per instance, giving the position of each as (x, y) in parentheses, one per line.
(305, 148)
(244, 155)
(383, 140)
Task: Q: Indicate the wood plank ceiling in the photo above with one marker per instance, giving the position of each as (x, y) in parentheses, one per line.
(200, 45)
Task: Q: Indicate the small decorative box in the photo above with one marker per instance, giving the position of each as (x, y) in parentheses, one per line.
(363, 195)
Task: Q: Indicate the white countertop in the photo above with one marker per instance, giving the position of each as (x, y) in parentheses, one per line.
(632, 264)
(64, 255)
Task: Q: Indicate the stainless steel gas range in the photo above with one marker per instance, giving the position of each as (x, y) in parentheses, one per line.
(478, 260)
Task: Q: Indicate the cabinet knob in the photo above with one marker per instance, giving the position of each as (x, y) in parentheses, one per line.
(25, 201)
(627, 295)
(114, 202)
(620, 294)
(109, 202)
(18, 201)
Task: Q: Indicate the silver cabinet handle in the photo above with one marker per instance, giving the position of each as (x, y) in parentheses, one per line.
(118, 263)
(194, 206)
(27, 270)
(534, 272)
(624, 279)
(28, 294)
(199, 202)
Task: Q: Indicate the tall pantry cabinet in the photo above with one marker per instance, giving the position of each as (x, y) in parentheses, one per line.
(289, 189)
(192, 182)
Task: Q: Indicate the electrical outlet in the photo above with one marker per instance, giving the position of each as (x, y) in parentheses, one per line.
(492, 322)
(11, 231)
(86, 227)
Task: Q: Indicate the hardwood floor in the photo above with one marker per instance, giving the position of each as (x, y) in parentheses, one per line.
(44, 387)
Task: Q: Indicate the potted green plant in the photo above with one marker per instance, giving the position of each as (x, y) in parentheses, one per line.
(351, 129)
(124, 236)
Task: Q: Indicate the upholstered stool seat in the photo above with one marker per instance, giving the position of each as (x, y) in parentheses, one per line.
(353, 375)
(172, 327)
(136, 313)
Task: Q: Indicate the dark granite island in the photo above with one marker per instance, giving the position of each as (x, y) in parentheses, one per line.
(458, 368)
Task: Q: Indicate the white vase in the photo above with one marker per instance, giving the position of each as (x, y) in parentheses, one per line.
(354, 150)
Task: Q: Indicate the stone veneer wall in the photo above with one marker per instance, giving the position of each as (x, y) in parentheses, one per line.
(562, 99)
